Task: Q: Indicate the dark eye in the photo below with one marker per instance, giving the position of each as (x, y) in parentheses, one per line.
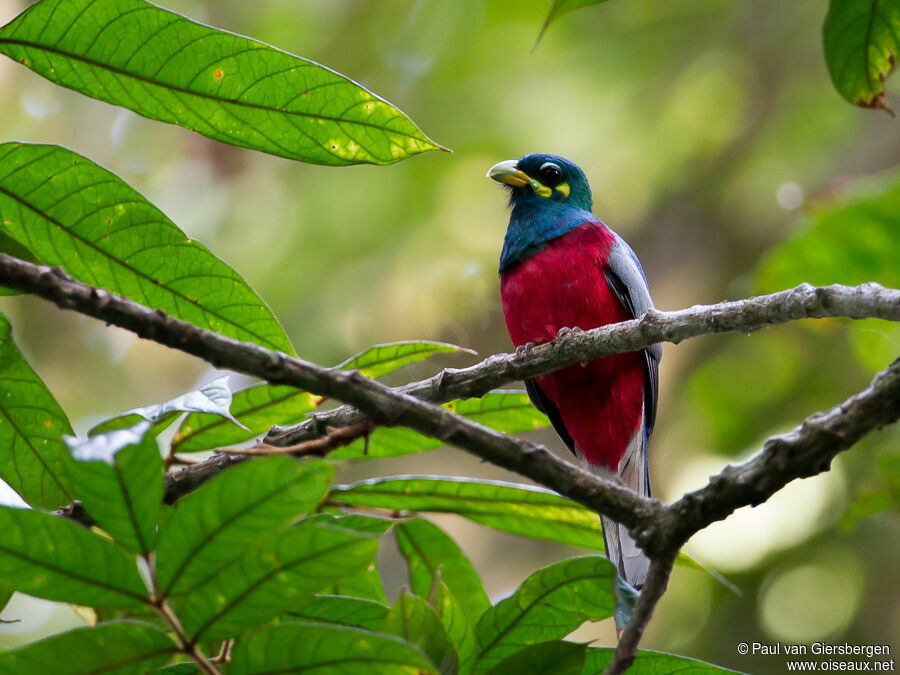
(550, 174)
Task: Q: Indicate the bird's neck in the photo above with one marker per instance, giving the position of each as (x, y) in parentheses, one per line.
(533, 225)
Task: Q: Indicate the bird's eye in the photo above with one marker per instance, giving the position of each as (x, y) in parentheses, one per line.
(550, 173)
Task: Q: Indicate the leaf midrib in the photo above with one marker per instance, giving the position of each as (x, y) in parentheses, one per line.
(220, 100)
(109, 256)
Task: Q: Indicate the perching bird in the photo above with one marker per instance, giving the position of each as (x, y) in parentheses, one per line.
(561, 268)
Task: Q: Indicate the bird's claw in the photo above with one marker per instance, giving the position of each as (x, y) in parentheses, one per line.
(522, 350)
(562, 332)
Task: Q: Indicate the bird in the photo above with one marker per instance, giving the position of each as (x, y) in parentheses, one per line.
(562, 269)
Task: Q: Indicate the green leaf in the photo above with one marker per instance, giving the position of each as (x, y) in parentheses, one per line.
(650, 663)
(124, 647)
(309, 647)
(70, 212)
(383, 359)
(861, 47)
(431, 553)
(549, 605)
(32, 453)
(455, 623)
(272, 577)
(56, 559)
(10, 246)
(555, 657)
(413, 620)
(561, 7)
(258, 407)
(120, 479)
(227, 87)
(213, 398)
(508, 411)
(341, 610)
(850, 242)
(212, 526)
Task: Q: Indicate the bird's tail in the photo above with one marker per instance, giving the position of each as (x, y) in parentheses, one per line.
(632, 563)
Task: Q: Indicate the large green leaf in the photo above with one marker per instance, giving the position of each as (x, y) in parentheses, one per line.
(555, 657)
(861, 47)
(70, 212)
(549, 605)
(228, 87)
(341, 610)
(383, 359)
(212, 526)
(508, 411)
(413, 620)
(124, 647)
(650, 663)
(314, 648)
(32, 453)
(272, 577)
(430, 553)
(56, 559)
(119, 477)
(850, 242)
(213, 399)
(456, 625)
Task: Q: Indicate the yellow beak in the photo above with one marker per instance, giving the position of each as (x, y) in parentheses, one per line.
(508, 172)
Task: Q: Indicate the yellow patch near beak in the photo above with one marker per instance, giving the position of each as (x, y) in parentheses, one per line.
(564, 189)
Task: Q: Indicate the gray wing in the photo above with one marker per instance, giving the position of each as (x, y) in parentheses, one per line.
(627, 280)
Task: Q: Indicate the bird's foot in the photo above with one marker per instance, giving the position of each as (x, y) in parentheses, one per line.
(562, 332)
(522, 350)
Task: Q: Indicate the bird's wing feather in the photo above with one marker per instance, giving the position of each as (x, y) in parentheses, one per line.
(541, 401)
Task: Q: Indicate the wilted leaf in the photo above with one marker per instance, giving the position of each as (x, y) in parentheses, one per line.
(271, 577)
(121, 484)
(124, 647)
(213, 526)
(861, 48)
(341, 610)
(430, 553)
(70, 212)
(555, 657)
(56, 559)
(228, 87)
(508, 411)
(650, 663)
(309, 647)
(213, 398)
(32, 454)
(413, 620)
(549, 605)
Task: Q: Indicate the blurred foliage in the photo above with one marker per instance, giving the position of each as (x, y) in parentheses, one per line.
(713, 140)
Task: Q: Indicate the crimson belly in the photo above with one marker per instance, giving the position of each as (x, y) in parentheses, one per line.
(563, 285)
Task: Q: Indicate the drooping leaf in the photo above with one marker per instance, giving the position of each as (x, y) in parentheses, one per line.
(258, 407)
(650, 663)
(413, 620)
(124, 647)
(212, 526)
(549, 605)
(271, 577)
(70, 212)
(456, 625)
(383, 359)
(431, 553)
(32, 454)
(341, 610)
(850, 242)
(309, 647)
(212, 399)
(555, 657)
(507, 411)
(54, 558)
(560, 7)
(861, 48)
(227, 87)
(121, 484)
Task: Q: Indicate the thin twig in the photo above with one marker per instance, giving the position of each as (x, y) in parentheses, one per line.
(333, 439)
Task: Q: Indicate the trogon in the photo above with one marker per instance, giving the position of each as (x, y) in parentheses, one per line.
(563, 269)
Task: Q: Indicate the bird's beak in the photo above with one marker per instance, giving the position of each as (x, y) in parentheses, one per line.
(508, 172)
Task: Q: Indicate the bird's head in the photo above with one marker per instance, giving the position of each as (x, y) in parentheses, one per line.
(541, 180)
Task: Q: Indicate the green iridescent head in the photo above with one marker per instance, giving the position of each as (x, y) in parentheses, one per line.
(540, 176)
